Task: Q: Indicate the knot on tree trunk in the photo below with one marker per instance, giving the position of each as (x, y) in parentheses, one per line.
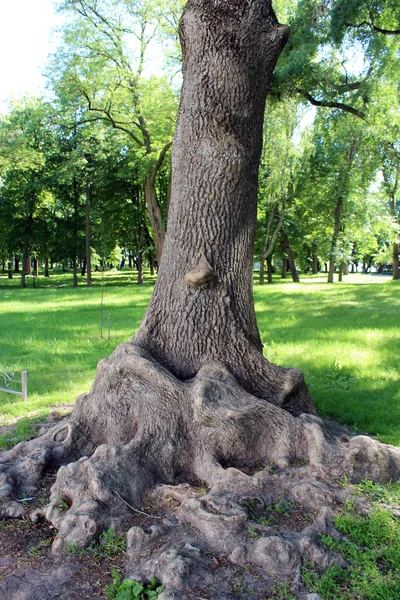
(201, 275)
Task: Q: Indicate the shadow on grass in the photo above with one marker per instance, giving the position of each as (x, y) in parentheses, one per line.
(126, 277)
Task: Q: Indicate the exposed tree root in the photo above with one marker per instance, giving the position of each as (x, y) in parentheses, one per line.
(140, 428)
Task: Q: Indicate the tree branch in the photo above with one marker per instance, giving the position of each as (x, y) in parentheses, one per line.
(374, 28)
(110, 119)
(329, 104)
(159, 162)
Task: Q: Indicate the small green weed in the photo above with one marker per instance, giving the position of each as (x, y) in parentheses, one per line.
(38, 549)
(282, 591)
(281, 508)
(338, 377)
(253, 532)
(264, 521)
(240, 587)
(129, 589)
(109, 545)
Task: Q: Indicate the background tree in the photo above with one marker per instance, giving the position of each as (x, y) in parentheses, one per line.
(111, 82)
(26, 140)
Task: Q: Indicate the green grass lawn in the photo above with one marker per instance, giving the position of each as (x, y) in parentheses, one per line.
(345, 337)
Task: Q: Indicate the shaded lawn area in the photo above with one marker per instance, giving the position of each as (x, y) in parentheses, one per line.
(345, 337)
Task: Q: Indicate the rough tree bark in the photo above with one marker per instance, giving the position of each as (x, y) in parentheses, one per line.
(191, 395)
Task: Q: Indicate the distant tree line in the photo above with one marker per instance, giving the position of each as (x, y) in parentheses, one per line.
(85, 176)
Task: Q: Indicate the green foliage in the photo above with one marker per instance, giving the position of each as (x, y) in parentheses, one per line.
(129, 589)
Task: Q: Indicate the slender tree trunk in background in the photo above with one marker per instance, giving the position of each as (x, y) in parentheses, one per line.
(75, 274)
(153, 207)
(262, 268)
(139, 256)
(46, 267)
(150, 250)
(286, 247)
(315, 265)
(340, 276)
(269, 270)
(26, 265)
(151, 263)
(343, 184)
(36, 267)
(392, 187)
(75, 233)
(284, 268)
(395, 261)
(270, 240)
(10, 275)
(87, 224)
(336, 229)
(155, 216)
(16, 263)
(83, 267)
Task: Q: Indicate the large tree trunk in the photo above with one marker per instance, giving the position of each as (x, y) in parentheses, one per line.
(192, 394)
(206, 273)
